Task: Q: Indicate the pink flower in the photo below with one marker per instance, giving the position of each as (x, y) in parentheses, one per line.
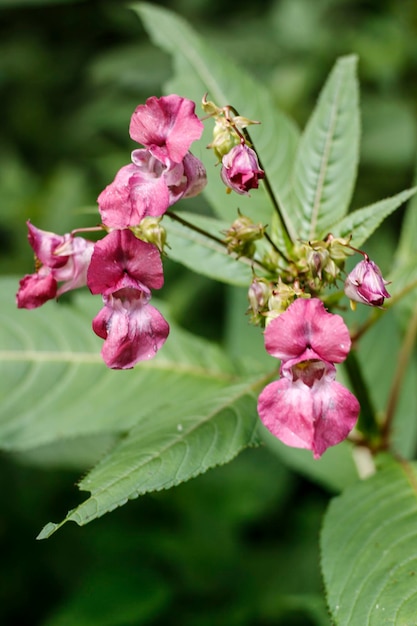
(124, 269)
(146, 188)
(138, 191)
(120, 254)
(306, 407)
(166, 126)
(240, 169)
(63, 258)
(365, 284)
(133, 330)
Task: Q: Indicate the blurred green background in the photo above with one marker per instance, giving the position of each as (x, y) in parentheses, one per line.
(238, 546)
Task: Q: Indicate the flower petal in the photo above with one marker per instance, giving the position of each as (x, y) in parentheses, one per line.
(336, 411)
(314, 417)
(36, 289)
(45, 244)
(286, 409)
(136, 192)
(307, 325)
(118, 254)
(133, 331)
(167, 126)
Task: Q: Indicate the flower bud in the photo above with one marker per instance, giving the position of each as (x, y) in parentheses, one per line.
(365, 284)
(240, 169)
(241, 235)
(150, 230)
(281, 297)
(259, 293)
(224, 138)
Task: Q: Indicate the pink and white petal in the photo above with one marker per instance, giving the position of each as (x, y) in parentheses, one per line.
(286, 409)
(133, 194)
(336, 412)
(133, 334)
(74, 273)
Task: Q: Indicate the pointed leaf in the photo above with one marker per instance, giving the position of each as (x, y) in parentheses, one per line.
(363, 222)
(327, 157)
(200, 69)
(54, 385)
(204, 254)
(369, 550)
(175, 443)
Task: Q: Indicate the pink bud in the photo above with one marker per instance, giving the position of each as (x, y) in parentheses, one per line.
(365, 284)
(241, 170)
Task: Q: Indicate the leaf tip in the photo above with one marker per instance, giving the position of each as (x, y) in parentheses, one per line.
(47, 531)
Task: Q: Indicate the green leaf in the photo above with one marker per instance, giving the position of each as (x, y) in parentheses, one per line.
(408, 242)
(174, 444)
(363, 222)
(325, 166)
(203, 254)
(369, 550)
(198, 69)
(54, 385)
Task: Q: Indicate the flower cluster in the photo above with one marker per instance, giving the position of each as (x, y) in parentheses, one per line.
(306, 407)
(124, 266)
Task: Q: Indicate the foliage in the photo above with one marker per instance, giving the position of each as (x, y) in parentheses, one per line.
(193, 407)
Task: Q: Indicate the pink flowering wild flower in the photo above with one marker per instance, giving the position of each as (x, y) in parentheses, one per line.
(306, 407)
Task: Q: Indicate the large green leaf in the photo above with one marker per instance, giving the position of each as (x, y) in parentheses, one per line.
(54, 385)
(200, 68)
(173, 444)
(369, 550)
(203, 254)
(363, 222)
(327, 157)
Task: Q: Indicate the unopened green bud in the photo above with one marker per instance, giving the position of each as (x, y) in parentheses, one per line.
(281, 297)
(150, 230)
(224, 138)
(242, 234)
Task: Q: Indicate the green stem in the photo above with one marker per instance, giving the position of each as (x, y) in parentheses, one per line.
(402, 364)
(201, 231)
(272, 197)
(367, 422)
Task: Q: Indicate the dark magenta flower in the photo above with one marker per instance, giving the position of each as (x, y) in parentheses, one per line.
(306, 407)
(132, 329)
(365, 284)
(123, 270)
(240, 169)
(166, 126)
(62, 258)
